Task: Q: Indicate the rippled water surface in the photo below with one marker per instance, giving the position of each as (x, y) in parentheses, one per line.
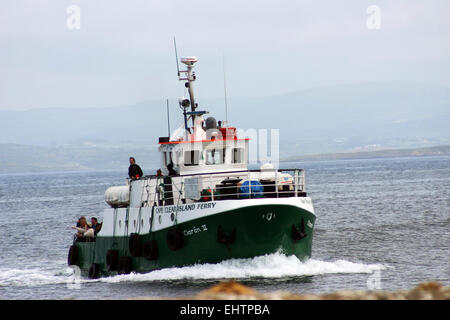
(386, 217)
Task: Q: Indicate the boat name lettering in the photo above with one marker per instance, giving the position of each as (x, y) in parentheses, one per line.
(195, 229)
(305, 200)
(186, 207)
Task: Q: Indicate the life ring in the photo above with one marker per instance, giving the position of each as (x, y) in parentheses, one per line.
(125, 265)
(174, 239)
(150, 250)
(226, 238)
(135, 245)
(72, 257)
(112, 260)
(298, 234)
(94, 271)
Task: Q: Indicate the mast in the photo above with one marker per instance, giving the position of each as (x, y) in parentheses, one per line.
(189, 76)
(190, 84)
(168, 117)
(225, 90)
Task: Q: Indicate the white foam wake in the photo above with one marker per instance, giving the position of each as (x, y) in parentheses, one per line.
(269, 266)
(31, 277)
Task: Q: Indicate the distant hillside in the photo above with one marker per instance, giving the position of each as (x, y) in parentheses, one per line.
(23, 158)
(417, 152)
(322, 120)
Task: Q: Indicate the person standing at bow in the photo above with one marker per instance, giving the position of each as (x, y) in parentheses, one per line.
(134, 171)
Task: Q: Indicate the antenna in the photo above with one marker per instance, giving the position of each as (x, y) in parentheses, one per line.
(176, 55)
(225, 89)
(168, 116)
(189, 76)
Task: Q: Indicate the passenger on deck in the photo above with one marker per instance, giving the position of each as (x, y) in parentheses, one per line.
(159, 173)
(134, 171)
(86, 231)
(95, 226)
(82, 227)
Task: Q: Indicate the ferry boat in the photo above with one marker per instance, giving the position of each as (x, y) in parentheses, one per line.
(205, 207)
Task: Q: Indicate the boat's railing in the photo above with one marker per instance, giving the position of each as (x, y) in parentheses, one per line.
(245, 184)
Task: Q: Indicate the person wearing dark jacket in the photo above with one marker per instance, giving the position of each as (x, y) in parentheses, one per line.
(134, 171)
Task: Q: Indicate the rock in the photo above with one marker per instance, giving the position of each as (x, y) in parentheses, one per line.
(228, 290)
(232, 290)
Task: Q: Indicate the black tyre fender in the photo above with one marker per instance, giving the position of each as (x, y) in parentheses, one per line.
(150, 250)
(226, 238)
(112, 260)
(94, 271)
(135, 245)
(175, 239)
(298, 234)
(125, 265)
(72, 257)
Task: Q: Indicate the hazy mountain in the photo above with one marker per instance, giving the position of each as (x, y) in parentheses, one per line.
(26, 158)
(387, 153)
(330, 119)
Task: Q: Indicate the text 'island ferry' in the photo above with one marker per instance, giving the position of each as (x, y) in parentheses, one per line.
(205, 207)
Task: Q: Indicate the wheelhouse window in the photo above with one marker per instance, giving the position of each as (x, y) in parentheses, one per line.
(167, 156)
(215, 156)
(237, 155)
(191, 158)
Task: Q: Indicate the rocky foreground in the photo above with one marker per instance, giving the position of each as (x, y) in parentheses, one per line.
(231, 290)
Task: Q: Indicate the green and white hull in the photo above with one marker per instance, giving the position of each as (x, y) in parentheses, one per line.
(210, 232)
(223, 210)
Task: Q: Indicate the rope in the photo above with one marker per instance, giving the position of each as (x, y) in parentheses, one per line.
(139, 220)
(156, 193)
(151, 221)
(178, 202)
(154, 205)
(114, 244)
(147, 188)
(126, 226)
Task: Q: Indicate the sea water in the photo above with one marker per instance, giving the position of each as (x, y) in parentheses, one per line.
(381, 224)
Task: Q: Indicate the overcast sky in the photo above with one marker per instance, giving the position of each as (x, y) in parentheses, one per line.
(123, 51)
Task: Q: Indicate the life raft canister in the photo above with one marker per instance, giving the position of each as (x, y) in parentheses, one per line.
(150, 250)
(72, 257)
(112, 260)
(94, 271)
(135, 245)
(226, 238)
(125, 265)
(174, 239)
